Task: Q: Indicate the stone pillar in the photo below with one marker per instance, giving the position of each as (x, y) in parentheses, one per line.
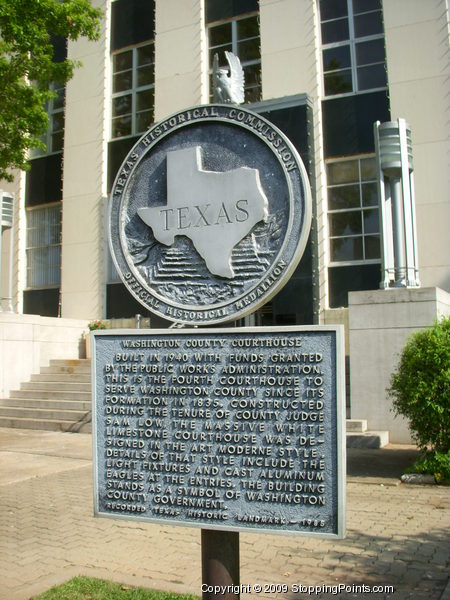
(83, 254)
(418, 75)
(181, 67)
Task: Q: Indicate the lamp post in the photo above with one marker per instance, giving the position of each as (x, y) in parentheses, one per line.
(393, 145)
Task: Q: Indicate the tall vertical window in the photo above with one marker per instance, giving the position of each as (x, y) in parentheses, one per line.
(241, 37)
(55, 133)
(353, 49)
(43, 246)
(133, 90)
(54, 136)
(353, 211)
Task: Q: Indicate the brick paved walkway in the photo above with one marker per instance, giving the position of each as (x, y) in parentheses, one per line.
(396, 534)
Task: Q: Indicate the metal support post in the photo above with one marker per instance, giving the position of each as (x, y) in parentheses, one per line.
(399, 232)
(220, 564)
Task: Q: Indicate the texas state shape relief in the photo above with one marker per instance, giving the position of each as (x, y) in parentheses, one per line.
(215, 210)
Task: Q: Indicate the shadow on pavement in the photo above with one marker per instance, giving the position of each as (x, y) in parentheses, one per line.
(414, 565)
(388, 462)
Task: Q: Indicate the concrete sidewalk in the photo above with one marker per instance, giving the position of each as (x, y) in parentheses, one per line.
(396, 534)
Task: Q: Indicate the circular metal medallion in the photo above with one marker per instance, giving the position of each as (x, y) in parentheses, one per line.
(209, 215)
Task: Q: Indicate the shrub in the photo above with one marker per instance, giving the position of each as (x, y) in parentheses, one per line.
(94, 325)
(420, 387)
(433, 463)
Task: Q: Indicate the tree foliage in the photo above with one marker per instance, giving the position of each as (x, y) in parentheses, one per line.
(27, 69)
(420, 387)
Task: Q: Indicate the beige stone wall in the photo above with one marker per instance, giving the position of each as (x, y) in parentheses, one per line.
(291, 64)
(181, 62)
(418, 60)
(28, 342)
(337, 316)
(84, 177)
(380, 322)
(288, 48)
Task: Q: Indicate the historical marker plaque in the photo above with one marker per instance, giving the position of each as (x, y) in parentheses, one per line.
(235, 429)
(209, 215)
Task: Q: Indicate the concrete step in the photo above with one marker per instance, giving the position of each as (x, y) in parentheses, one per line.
(60, 386)
(356, 425)
(82, 370)
(368, 439)
(51, 395)
(78, 366)
(43, 413)
(63, 377)
(70, 362)
(56, 399)
(83, 405)
(46, 425)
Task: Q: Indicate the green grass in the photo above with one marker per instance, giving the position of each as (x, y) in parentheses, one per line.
(87, 588)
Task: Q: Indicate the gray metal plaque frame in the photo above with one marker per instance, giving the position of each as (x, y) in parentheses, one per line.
(231, 429)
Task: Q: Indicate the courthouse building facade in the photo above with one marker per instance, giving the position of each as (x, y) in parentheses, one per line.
(323, 71)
